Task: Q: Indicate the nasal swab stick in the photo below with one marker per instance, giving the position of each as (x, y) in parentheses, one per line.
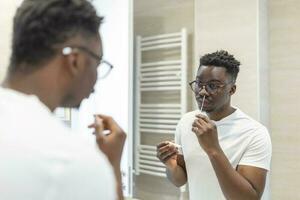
(202, 103)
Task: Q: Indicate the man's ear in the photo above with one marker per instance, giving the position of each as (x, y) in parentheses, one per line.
(71, 64)
(232, 89)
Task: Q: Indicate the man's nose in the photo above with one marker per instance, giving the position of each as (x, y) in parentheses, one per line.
(203, 91)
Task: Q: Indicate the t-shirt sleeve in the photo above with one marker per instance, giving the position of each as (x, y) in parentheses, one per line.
(259, 151)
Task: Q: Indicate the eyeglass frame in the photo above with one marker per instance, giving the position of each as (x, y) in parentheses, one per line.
(204, 85)
(67, 50)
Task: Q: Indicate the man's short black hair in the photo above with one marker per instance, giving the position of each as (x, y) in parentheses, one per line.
(222, 59)
(40, 25)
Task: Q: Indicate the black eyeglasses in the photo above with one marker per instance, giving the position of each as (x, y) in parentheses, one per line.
(211, 87)
(104, 68)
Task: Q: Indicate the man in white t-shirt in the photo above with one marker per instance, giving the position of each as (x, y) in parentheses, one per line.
(225, 153)
(56, 51)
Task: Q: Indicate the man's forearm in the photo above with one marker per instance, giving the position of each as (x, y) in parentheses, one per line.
(177, 175)
(234, 186)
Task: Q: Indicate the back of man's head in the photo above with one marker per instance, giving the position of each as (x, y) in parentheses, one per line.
(42, 25)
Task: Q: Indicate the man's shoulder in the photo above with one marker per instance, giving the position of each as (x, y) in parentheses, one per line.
(245, 120)
(36, 123)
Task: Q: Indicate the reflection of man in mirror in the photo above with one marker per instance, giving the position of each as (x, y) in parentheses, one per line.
(225, 153)
(56, 54)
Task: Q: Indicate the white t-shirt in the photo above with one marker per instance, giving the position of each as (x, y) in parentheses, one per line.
(41, 159)
(243, 140)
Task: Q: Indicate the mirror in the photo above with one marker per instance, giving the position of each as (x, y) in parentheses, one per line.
(264, 37)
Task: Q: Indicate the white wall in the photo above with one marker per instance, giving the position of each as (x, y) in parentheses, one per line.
(7, 11)
(113, 94)
(284, 51)
(232, 26)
